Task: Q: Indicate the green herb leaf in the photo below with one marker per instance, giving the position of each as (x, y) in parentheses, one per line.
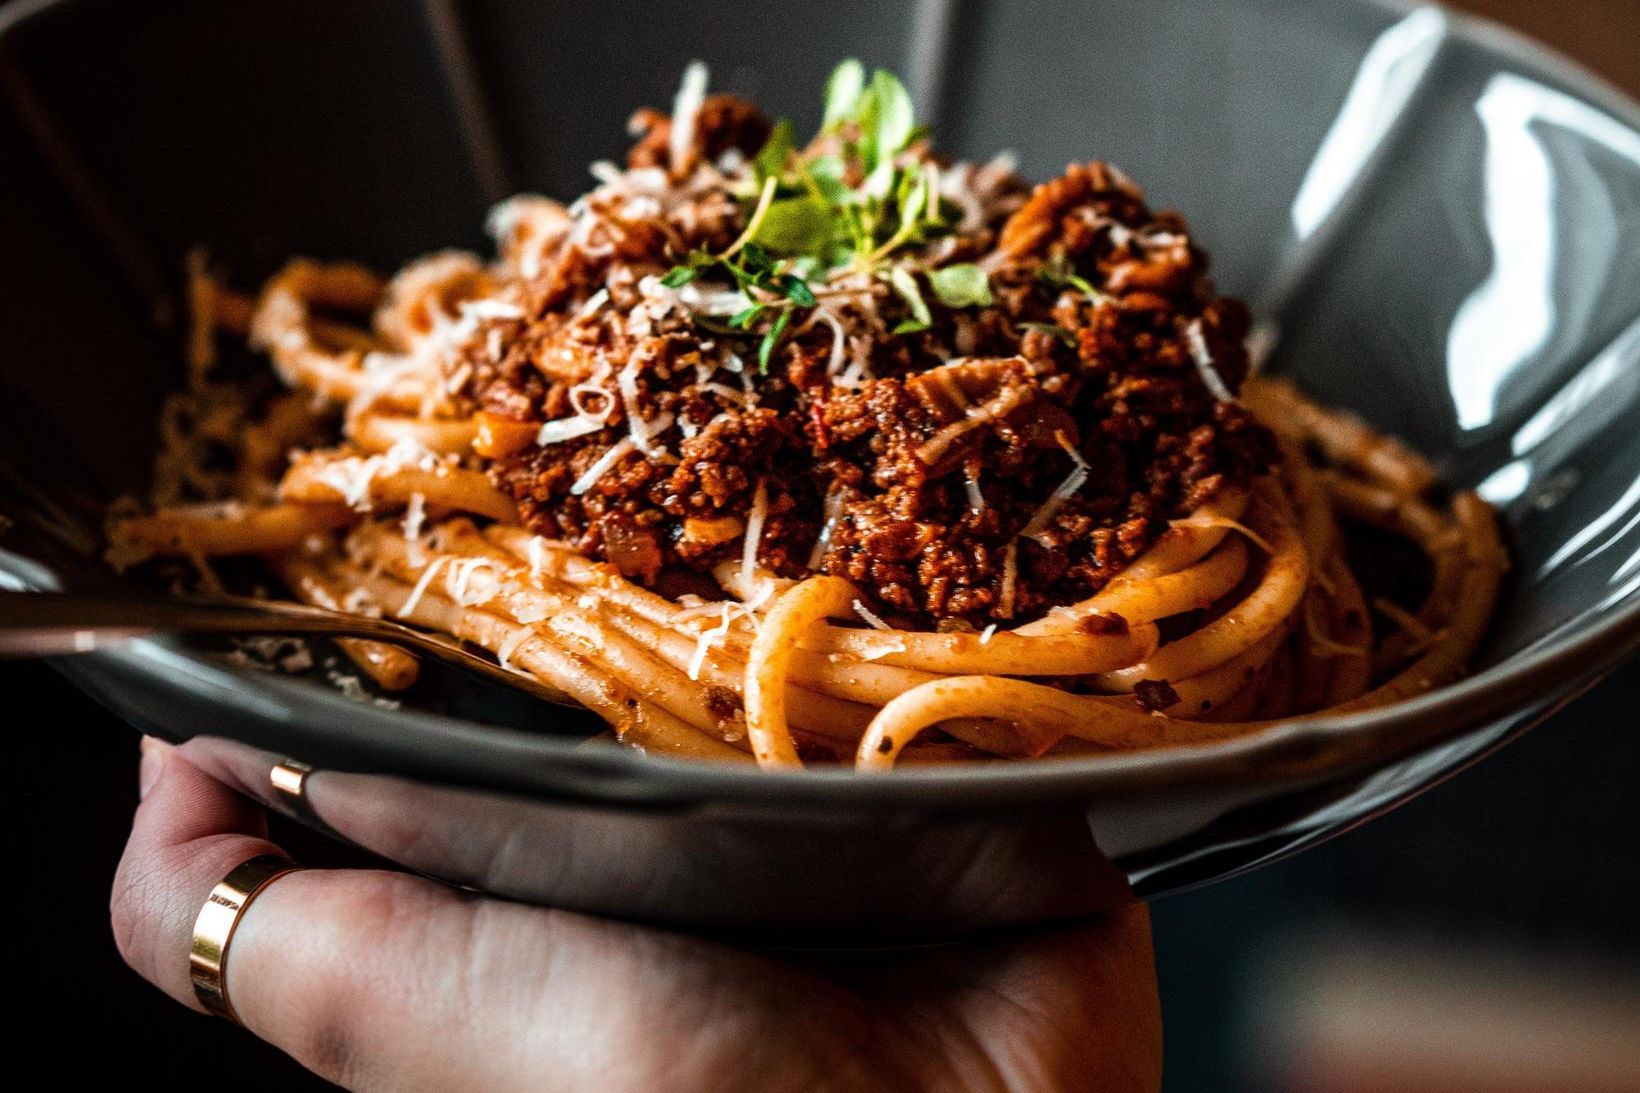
(908, 326)
(797, 290)
(740, 319)
(678, 276)
(825, 174)
(765, 348)
(796, 225)
(906, 285)
(843, 90)
(893, 123)
(758, 260)
(776, 152)
(1057, 331)
(962, 285)
(911, 205)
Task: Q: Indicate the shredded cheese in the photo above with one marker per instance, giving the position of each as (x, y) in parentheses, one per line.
(1204, 362)
(460, 576)
(754, 533)
(408, 608)
(641, 429)
(1063, 492)
(1206, 521)
(685, 111)
(568, 428)
(594, 302)
(873, 620)
(833, 513)
(482, 310)
(708, 640)
(415, 512)
(1005, 403)
(598, 469)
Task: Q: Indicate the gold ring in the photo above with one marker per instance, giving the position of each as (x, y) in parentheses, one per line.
(217, 921)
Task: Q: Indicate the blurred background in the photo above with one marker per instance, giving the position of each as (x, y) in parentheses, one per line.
(1483, 937)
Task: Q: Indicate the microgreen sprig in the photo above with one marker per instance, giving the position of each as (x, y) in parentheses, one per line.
(851, 200)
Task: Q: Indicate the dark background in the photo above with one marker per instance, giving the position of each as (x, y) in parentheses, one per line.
(1531, 854)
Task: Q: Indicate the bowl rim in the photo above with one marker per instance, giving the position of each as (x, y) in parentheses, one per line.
(456, 750)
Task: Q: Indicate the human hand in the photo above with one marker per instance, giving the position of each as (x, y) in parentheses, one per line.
(383, 980)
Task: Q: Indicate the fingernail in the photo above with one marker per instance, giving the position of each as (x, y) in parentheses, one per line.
(154, 754)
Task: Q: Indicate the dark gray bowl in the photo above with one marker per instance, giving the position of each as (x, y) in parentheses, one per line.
(1442, 221)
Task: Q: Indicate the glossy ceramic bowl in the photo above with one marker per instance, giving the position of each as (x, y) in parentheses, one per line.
(1439, 223)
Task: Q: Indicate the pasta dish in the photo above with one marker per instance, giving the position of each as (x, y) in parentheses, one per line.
(836, 452)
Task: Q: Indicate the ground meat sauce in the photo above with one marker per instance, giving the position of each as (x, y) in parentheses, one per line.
(908, 462)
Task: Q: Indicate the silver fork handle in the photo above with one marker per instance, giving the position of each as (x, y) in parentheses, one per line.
(41, 624)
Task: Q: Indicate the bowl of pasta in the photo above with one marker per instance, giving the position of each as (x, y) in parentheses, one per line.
(912, 537)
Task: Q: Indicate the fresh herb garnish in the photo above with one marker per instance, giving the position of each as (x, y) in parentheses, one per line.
(962, 285)
(851, 201)
(766, 347)
(906, 285)
(678, 276)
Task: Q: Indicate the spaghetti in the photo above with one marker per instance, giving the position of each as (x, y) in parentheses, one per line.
(841, 453)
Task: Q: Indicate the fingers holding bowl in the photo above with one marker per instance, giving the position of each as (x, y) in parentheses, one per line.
(190, 832)
(372, 979)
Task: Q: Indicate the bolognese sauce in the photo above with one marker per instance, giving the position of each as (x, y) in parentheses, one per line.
(921, 450)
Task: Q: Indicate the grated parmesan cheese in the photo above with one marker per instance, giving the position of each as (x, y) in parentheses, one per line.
(594, 302)
(754, 533)
(459, 577)
(833, 513)
(686, 111)
(707, 640)
(1204, 362)
(613, 456)
(419, 590)
(873, 620)
(1063, 492)
(415, 512)
(568, 428)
